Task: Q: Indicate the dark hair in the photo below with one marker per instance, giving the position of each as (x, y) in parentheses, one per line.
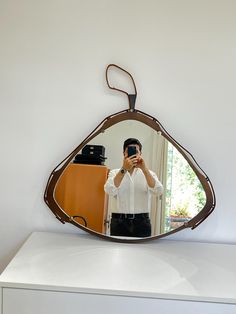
(131, 141)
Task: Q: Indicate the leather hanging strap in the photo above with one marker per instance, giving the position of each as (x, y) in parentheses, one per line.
(131, 97)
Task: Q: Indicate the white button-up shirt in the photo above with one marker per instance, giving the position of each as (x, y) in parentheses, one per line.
(133, 194)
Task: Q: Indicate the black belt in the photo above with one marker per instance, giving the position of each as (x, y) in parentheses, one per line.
(130, 216)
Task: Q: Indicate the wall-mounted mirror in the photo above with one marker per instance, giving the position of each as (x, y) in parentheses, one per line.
(76, 190)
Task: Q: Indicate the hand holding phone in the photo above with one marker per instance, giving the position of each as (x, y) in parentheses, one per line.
(131, 159)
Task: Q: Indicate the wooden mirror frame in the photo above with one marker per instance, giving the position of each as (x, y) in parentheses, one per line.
(130, 114)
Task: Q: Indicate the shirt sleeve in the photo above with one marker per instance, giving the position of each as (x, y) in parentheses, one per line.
(158, 188)
(109, 186)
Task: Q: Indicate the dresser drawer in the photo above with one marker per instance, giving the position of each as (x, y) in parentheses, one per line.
(26, 301)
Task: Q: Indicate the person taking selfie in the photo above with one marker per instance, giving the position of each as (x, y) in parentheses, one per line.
(132, 185)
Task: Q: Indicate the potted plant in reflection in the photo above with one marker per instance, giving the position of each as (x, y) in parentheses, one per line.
(179, 215)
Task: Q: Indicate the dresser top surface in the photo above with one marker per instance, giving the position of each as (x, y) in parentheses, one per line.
(157, 269)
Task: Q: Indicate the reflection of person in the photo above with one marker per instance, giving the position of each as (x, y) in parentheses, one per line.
(133, 186)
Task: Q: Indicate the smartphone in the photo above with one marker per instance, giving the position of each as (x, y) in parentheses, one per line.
(132, 150)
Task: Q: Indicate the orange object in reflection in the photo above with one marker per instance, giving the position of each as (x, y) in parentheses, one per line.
(80, 192)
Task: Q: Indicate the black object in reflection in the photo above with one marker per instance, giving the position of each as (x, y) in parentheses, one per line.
(91, 155)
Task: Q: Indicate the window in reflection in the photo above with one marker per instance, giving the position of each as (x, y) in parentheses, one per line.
(185, 196)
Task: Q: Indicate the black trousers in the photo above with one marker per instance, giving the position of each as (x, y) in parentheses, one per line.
(136, 226)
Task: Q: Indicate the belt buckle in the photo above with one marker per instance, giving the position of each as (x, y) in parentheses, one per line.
(128, 216)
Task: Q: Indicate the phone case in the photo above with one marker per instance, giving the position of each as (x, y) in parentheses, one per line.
(131, 151)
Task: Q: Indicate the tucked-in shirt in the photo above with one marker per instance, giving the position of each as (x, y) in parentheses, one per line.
(133, 194)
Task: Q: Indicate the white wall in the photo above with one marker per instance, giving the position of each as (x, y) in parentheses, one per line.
(53, 93)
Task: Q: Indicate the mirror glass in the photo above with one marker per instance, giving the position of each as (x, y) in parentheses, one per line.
(80, 190)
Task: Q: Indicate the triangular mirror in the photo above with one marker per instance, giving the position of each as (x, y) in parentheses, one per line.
(99, 188)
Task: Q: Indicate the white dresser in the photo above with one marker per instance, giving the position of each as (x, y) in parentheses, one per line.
(68, 273)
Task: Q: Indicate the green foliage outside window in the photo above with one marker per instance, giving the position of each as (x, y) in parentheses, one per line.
(184, 193)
